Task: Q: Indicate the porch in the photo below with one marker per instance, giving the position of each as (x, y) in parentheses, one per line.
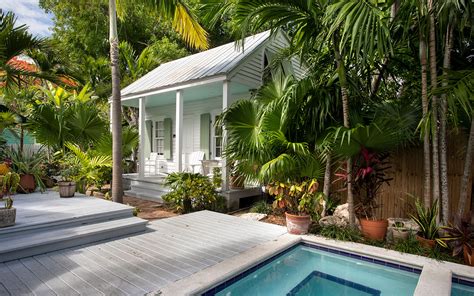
(151, 187)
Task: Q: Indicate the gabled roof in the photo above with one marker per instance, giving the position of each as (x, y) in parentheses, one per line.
(217, 61)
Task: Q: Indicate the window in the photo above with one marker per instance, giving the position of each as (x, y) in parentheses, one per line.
(217, 138)
(159, 137)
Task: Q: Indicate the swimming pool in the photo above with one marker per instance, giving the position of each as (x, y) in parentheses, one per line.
(462, 288)
(307, 269)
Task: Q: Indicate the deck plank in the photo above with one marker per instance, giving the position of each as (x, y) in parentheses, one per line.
(67, 276)
(55, 283)
(29, 278)
(170, 250)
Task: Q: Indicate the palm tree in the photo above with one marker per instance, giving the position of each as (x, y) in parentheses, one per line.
(346, 27)
(261, 143)
(185, 24)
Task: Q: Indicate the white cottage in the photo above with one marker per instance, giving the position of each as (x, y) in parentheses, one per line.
(179, 102)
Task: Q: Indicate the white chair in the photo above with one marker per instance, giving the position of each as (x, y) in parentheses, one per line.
(151, 163)
(195, 159)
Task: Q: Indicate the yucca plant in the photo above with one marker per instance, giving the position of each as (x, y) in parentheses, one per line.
(426, 220)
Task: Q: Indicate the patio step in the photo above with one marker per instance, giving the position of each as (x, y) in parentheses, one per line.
(39, 241)
(79, 219)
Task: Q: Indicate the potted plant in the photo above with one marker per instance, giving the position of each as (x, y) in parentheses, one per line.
(399, 232)
(426, 220)
(27, 164)
(69, 173)
(460, 237)
(299, 199)
(369, 173)
(10, 183)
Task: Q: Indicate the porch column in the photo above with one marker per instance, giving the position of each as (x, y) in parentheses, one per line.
(142, 135)
(225, 103)
(179, 130)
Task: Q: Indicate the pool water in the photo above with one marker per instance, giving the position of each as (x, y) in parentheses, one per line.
(462, 290)
(305, 270)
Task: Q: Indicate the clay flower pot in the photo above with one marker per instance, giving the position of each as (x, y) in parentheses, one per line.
(66, 188)
(426, 243)
(374, 229)
(297, 224)
(27, 183)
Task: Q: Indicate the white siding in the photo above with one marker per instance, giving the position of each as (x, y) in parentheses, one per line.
(251, 71)
(279, 42)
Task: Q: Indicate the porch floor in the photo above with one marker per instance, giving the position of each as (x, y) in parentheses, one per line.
(170, 249)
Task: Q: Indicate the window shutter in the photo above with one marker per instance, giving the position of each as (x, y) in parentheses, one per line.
(205, 134)
(168, 138)
(149, 137)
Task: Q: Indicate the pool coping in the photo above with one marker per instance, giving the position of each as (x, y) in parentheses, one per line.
(435, 275)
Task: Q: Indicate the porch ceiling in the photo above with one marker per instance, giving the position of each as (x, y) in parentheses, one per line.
(194, 93)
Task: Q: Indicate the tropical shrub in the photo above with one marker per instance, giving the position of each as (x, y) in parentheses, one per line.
(298, 198)
(190, 192)
(458, 237)
(94, 168)
(261, 207)
(9, 184)
(344, 233)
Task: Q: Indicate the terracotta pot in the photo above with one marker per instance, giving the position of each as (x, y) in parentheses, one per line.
(237, 182)
(400, 234)
(468, 256)
(297, 224)
(27, 183)
(7, 217)
(66, 188)
(426, 243)
(374, 229)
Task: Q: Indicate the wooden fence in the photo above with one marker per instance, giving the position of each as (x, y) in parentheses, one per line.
(407, 174)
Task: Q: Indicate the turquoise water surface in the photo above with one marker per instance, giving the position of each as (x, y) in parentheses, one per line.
(308, 271)
(462, 290)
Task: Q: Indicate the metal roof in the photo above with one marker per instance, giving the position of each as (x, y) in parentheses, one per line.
(213, 62)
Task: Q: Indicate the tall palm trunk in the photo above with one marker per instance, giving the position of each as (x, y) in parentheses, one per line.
(426, 136)
(327, 181)
(434, 100)
(345, 111)
(443, 146)
(467, 172)
(117, 188)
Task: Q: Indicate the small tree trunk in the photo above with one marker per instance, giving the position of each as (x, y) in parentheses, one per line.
(426, 131)
(22, 138)
(467, 173)
(345, 111)
(443, 130)
(327, 182)
(434, 99)
(117, 187)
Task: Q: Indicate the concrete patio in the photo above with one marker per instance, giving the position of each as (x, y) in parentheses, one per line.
(135, 264)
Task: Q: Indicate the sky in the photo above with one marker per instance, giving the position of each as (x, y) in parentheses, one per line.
(28, 12)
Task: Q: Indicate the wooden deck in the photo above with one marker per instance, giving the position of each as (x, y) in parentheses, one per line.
(171, 249)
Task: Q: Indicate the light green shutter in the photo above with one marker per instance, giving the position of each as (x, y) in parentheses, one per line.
(168, 138)
(205, 134)
(149, 137)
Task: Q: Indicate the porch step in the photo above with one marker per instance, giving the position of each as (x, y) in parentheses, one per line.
(149, 186)
(48, 239)
(147, 194)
